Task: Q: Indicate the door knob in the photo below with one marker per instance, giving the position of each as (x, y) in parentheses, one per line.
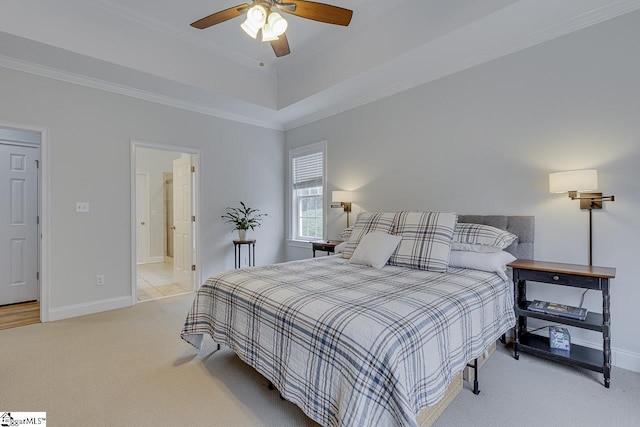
(141, 222)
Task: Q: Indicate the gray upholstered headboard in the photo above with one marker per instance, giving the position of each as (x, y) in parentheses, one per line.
(521, 226)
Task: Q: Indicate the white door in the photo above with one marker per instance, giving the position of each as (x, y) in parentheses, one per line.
(18, 224)
(183, 222)
(142, 218)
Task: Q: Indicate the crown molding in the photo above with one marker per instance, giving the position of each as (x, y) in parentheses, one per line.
(65, 76)
(575, 23)
(291, 117)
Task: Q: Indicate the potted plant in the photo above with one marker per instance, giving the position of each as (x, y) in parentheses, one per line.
(243, 219)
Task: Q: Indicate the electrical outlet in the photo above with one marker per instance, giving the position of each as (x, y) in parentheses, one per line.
(82, 207)
(100, 280)
(246, 260)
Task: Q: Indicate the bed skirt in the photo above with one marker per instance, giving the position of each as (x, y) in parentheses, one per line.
(429, 415)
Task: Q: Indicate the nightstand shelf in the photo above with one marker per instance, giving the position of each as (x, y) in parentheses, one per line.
(579, 355)
(579, 276)
(592, 322)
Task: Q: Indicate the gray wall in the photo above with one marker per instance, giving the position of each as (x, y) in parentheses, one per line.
(484, 140)
(89, 137)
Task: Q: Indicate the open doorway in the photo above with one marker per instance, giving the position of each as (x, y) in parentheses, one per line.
(20, 248)
(164, 205)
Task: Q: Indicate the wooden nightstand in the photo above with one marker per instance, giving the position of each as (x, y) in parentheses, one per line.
(579, 276)
(325, 246)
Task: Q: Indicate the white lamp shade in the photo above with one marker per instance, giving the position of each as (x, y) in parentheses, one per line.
(267, 34)
(250, 28)
(278, 23)
(257, 15)
(580, 181)
(341, 196)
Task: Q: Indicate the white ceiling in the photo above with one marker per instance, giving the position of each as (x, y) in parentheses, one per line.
(146, 49)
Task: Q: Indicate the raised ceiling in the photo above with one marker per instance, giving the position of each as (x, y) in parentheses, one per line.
(146, 49)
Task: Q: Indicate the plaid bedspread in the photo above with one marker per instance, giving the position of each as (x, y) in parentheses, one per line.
(349, 344)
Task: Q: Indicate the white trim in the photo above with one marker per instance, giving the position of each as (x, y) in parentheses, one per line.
(44, 204)
(147, 231)
(299, 244)
(66, 76)
(297, 152)
(195, 153)
(438, 70)
(85, 308)
(155, 259)
(465, 61)
(625, 359)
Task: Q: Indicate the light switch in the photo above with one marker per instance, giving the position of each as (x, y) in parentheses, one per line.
(82, 207)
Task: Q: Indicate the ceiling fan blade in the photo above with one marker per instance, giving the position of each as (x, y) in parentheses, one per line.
(218, 17)
(316, 11)
(281, 46)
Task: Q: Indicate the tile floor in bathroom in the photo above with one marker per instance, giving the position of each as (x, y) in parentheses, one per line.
(155, 280)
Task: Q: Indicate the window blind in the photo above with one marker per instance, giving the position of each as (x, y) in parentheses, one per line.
(308, 170)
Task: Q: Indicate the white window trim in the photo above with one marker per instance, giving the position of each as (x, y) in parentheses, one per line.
(297, 152)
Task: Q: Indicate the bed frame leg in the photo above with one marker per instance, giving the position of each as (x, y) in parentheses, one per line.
(270, 386)
(476, 390)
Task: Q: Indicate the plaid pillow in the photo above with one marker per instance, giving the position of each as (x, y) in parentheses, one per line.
(426, 240)
(346, 233)
(480, 234)
(368, 222)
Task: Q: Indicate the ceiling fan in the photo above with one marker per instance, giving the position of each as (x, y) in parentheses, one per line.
(260, 17)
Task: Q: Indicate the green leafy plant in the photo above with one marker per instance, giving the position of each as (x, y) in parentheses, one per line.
(244, 217)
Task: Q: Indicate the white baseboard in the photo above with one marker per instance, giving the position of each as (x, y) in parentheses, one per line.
(76, 310)
(155, 259)
(625, 359)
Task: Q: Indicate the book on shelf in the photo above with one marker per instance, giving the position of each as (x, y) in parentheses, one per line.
(556, 309)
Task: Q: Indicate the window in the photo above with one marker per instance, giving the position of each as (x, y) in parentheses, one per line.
(307, 191)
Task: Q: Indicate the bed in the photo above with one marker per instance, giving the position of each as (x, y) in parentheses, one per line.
(353, 345)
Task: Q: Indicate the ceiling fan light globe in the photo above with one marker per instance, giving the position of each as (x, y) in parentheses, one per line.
(250, 28)
(277, 23)
(267, 34)
(257, 15)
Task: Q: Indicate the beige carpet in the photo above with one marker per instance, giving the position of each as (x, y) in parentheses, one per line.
(129, 367)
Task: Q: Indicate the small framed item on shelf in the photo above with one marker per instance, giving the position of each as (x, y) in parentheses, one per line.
(559, 338)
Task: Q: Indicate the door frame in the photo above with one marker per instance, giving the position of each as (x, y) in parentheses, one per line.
(195, 152)
(146, 219)
(44, 212)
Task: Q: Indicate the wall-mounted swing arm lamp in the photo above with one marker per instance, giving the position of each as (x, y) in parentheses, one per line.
(580, 185)
(342, 199)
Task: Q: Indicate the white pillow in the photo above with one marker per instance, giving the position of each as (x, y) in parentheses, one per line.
(375, 249)
(368, 222)
(496, 261)
(339, 247)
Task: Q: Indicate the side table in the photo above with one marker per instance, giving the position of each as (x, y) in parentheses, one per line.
(328, 246)
(571, 275)
(237, 245)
